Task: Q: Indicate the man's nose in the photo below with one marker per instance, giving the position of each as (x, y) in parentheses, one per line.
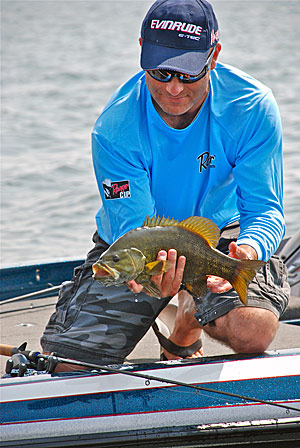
(174, 87)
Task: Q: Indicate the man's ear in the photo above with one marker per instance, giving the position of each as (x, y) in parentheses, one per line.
(216, 55)
(141, 41)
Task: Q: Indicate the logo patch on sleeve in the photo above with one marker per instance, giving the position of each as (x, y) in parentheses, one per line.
(116, 189)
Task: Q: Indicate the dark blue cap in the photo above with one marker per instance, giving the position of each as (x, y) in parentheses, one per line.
(178, 35)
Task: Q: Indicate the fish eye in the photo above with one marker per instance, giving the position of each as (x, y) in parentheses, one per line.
(115, 258)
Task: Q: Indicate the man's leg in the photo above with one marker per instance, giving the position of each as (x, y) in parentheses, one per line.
(245, 330)
(186, 328)
(252, 328)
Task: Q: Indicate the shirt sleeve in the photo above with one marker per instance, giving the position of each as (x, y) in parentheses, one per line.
(124, 185)
(259, 179)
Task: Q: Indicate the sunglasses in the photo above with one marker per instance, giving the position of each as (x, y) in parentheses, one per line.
(167, 75)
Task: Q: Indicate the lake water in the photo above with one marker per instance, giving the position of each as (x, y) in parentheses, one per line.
(61, 61)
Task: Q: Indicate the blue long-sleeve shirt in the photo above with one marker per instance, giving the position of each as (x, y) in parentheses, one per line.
(226, 165)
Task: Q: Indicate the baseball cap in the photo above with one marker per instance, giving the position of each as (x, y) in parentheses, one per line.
(178, 35)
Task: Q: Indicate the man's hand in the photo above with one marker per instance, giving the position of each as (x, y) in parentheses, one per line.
(168, 283)
(242, 252)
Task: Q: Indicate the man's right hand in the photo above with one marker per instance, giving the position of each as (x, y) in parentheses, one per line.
(168, 283)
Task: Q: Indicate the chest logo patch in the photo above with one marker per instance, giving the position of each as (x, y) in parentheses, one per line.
(205, 161)
(116, 189)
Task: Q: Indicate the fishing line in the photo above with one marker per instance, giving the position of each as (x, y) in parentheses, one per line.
(168, 381)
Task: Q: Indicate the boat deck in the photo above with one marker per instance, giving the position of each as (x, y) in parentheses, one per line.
(25, 321)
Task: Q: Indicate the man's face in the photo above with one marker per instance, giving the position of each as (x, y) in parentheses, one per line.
(174, 99)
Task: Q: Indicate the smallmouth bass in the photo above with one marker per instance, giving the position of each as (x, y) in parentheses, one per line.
(133, 256)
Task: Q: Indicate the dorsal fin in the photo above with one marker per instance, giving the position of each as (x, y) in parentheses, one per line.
(204, 227)
(159, 221)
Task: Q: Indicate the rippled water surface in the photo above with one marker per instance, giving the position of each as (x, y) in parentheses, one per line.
(61, 61)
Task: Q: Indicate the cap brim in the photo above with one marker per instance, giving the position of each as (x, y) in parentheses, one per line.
(183, 61)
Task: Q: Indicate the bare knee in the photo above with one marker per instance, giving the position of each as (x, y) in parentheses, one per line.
(245, 330)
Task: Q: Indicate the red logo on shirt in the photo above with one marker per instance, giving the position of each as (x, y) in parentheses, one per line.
(116, 190)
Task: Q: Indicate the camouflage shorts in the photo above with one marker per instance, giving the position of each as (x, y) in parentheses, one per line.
(100, 324)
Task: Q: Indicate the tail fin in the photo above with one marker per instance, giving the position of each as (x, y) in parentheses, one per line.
(244, 273)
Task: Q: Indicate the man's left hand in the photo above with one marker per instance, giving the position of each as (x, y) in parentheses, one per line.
(242, 252)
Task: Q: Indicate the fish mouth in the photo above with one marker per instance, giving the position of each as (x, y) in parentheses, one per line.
(102, 271)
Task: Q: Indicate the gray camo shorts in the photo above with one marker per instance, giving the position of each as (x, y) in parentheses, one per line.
(102, 325)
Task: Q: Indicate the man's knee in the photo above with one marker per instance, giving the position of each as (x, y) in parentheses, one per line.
(245, 330)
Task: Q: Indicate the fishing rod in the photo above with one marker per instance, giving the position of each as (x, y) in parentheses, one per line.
(31, 295)
(26, 308)
(53, 360)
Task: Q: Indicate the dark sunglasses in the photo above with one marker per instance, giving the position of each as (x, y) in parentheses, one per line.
(167, 75)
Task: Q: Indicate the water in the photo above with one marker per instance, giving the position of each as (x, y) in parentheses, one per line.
(61, 61)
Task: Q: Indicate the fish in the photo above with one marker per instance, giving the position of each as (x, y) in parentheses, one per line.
(133, 257)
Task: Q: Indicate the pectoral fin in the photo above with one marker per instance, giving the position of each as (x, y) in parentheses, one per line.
(157, 267)
(152, 289)
(197, 288)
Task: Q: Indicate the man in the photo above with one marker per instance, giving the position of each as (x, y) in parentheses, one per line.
(187, 136)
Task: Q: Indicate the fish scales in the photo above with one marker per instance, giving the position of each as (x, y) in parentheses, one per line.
(201, 259)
